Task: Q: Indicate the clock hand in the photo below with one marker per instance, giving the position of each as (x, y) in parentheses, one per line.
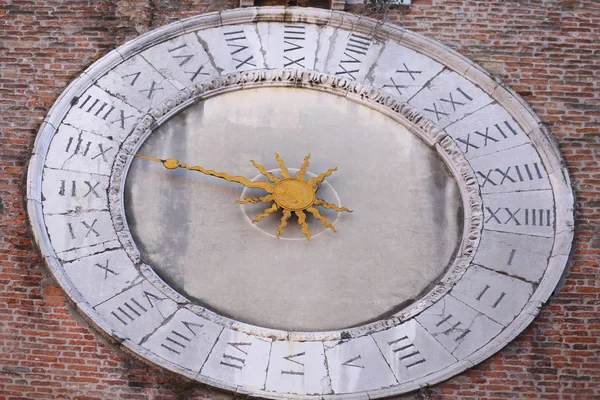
(290, 194)
(171, 163)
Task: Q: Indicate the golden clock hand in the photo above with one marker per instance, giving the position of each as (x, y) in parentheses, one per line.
(290, 194)
(171, 163)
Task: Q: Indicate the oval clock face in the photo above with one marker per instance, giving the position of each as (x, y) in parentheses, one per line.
(184, 193)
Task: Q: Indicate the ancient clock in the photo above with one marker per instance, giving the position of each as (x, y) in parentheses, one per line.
(183, 192)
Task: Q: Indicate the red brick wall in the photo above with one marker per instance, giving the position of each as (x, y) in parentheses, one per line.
(547, 50)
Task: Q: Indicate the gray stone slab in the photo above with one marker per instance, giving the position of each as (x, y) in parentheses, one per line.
(76, 150)
(239, 359)
(449, 97)
(297, 367)
(101, 276)
(289, 45)
(138, 84)
(138, 311)
(411, 351)
(358, 365)
(498, 296)
(233, 48)
(458, 327)
(514, 169)
(102, 113)
(530, 212)
(350, 55)
(69, 191)
(402, 72)
(182, 59)
(523, 256)
(185, 340)
(73, 231)
(487, 130)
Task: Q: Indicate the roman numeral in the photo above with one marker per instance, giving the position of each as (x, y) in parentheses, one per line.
(358, 45)
(496, 302)
(177, 341)
(106, 269)
(150, 91)
(132, 309)
(405, 349)
(196, 73)
(350, 363)
(511, 257)
(514, 174)
(454, 100)
(90, 229)
(233, 41)
(291, 34)
(79, 147)
(179, 55)
(184, 55)
(238, 360)
(291, 358)
(482, 139)
(395, 85)
(408, 71)
(453, 328)
(91, 189)
(528, 216)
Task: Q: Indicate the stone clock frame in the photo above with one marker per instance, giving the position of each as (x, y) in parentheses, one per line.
(516, 193)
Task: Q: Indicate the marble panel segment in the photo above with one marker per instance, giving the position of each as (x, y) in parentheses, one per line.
(240, 359)
(298, 367)
(233, 48)
(458, 327)
(102, 113)
(449, 97)
(102, 276)
(358, 365)
(529, 212)
(76, 150)
(488, 130)
(498, 296)
(523, 256)
(289, 45)
(137, 83)
(182, 59)
(514, 169)
(411, 351)
(137, 311)
(402, 72)
(185, 339)
(70, 191)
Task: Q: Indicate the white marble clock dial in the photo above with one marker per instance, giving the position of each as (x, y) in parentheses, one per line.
(462, 219)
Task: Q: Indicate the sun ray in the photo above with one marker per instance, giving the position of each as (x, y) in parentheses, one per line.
(265, 213)
(284, 219)
(300, 174)
(266, 173)
(321, 218)
(324, 204)
(284, 171)
(265, 199)
(318, 179)
(302, 221)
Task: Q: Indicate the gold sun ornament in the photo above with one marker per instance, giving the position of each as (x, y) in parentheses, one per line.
(290, 194)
